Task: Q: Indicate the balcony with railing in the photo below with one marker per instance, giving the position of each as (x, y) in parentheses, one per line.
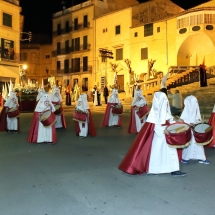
(71, 71)
(16, 2)
(13, 58)
(64, 31)
(66, 51)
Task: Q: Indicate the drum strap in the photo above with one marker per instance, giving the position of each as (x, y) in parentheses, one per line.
(166, 124)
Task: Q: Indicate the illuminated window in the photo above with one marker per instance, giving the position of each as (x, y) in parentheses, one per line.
(182, 23)
(209, 18)
(196, 19)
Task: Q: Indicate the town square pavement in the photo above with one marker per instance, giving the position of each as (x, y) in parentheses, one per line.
(80, 176)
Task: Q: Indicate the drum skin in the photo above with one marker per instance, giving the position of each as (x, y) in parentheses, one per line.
(203, 138)
(179, 140)
(14, 113)
(143, 111)
(117, 110)
(47, 118)
(79, 116)
(59, 110)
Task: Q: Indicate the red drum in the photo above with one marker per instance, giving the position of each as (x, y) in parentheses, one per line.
(179, 135)
(203, 134)
(117, 109)
(58, 109)
(143, 111)
(80, 116)
(13, 112)
(47, 118)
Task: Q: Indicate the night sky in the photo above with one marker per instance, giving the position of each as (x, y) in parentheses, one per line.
(38, 13)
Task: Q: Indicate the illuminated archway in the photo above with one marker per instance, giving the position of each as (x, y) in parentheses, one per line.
(193, 50)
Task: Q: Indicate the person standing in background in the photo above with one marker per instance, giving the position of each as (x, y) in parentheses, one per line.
(177, 103)
(68, 98)
(105, 93)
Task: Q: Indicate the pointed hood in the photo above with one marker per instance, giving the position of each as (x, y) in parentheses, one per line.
(191, 112)
(139, 99)
(114, 97)
(45, 103)
(10, 87)
(12, 101)
(6, 91)
(160, 110)
(56, 96)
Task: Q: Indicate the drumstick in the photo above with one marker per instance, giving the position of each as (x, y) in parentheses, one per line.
(176, 117)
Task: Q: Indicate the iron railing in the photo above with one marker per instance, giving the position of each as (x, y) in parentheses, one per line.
(71, 49)
(70, 71)
(63, 31)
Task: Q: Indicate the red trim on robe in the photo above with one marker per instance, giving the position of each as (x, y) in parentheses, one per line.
(211, 121)
(107, 115)
(3, 120)
(62, 115)
(132, 128)
(33, 133)
(91, 126)
(136, 161)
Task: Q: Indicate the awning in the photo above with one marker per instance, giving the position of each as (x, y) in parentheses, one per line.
(7, 73)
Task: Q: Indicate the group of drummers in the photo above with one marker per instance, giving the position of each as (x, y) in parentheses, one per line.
(162, 140)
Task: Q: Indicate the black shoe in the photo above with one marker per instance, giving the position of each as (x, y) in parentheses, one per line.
(178, 173)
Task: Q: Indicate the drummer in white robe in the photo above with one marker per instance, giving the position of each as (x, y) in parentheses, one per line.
(12, 102)
(38, 132)
(149, 152)
(138, 102)
(163, 159)
(56, 99)
(109, 118)
(82, 106)
(191, 115)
